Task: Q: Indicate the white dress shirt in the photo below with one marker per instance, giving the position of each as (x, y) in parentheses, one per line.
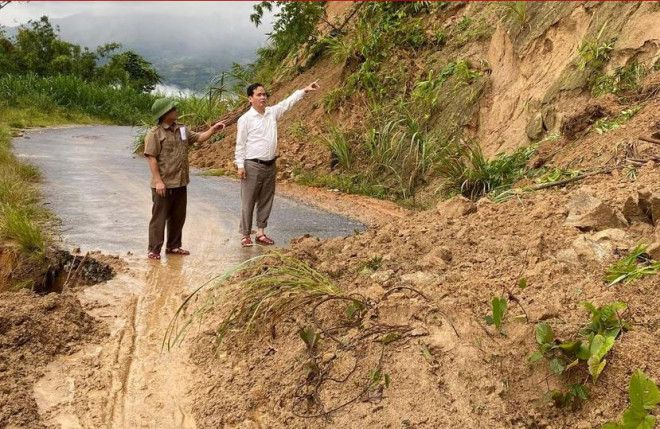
(256, 137)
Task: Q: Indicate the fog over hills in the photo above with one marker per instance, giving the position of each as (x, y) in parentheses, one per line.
(187, 46)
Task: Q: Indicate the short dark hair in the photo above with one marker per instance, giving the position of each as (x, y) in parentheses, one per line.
(251, 88)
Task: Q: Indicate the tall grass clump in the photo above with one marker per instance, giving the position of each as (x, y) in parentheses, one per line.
(517, 10)
(338, 143)
(465, 170)
(17, 225)
(19, 211)
(402, 151)
(56, 94)
(263, 290)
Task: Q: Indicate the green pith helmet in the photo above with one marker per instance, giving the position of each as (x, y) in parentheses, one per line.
(161, 107)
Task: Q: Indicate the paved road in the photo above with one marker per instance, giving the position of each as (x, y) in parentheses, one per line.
(100, 192)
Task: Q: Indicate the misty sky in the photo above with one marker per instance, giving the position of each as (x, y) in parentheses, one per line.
(229, 13)
(187, 42)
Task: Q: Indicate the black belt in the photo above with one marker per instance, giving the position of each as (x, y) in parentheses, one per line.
(261, 161)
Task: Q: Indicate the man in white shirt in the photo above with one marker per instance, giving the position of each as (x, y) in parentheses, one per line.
(256, 152)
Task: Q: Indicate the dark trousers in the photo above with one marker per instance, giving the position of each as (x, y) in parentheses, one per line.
(257, 189)
(169, 210)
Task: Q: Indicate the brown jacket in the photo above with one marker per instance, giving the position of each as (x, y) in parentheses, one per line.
(168, 146)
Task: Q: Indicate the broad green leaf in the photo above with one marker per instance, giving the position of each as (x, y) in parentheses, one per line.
(522, 283)
(583, 352)
(589, 306)
(600, 346)
(499, 308)
(637, 418)
(557, 366)
(309, 336)
(535, 356)
(387, 380)
(580, 391)
(544, 334)
(571, 348)
(643, 392)
(596, 367)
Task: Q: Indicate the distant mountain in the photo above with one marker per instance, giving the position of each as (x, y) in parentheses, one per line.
(186, 50)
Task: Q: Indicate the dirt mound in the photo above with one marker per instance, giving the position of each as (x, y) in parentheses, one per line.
(460, 255)
(33, 330)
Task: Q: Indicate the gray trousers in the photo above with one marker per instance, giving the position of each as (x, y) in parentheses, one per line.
(257, 189)
(169, 210)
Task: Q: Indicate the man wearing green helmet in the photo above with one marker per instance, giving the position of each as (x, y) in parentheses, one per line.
(166, 149)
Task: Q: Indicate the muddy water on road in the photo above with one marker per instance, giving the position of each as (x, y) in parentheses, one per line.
(100, 192)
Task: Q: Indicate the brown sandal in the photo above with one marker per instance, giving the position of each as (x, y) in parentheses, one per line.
(153, 255)
(177, 251)
(246, 241)
(264, 239)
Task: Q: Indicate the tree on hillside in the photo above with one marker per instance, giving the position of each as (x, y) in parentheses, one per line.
(38, 49)
(130, 69)
(295, 22)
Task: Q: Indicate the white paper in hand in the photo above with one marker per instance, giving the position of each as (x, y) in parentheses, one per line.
(182, 130)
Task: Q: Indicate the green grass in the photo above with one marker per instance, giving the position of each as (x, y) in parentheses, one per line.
(72, 99)
(21, 215)
(345, 182)
(636, 265)
(595, 53)
(17, 225)
(265, 289)
(338, 143)
(465, 170)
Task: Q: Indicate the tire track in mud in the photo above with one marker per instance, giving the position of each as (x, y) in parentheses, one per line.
(118, 387)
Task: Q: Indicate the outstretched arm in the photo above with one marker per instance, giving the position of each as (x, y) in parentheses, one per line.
(281, 107)
(202, 137)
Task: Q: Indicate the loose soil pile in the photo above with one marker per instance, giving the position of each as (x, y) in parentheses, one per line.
(460, 255)
(33, 330)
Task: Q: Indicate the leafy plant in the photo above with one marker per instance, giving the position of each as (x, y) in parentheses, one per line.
(556, 174)
(332, 99)
(644, 397)
(622, 80)
(379, 379)
(606, 124)
(309, 336)
(589, 348)
(371, 265)
(498, 306)
(636, 265)
(594, 53)
(298, 130)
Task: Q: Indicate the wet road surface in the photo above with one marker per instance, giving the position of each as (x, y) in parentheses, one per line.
(100, 191)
